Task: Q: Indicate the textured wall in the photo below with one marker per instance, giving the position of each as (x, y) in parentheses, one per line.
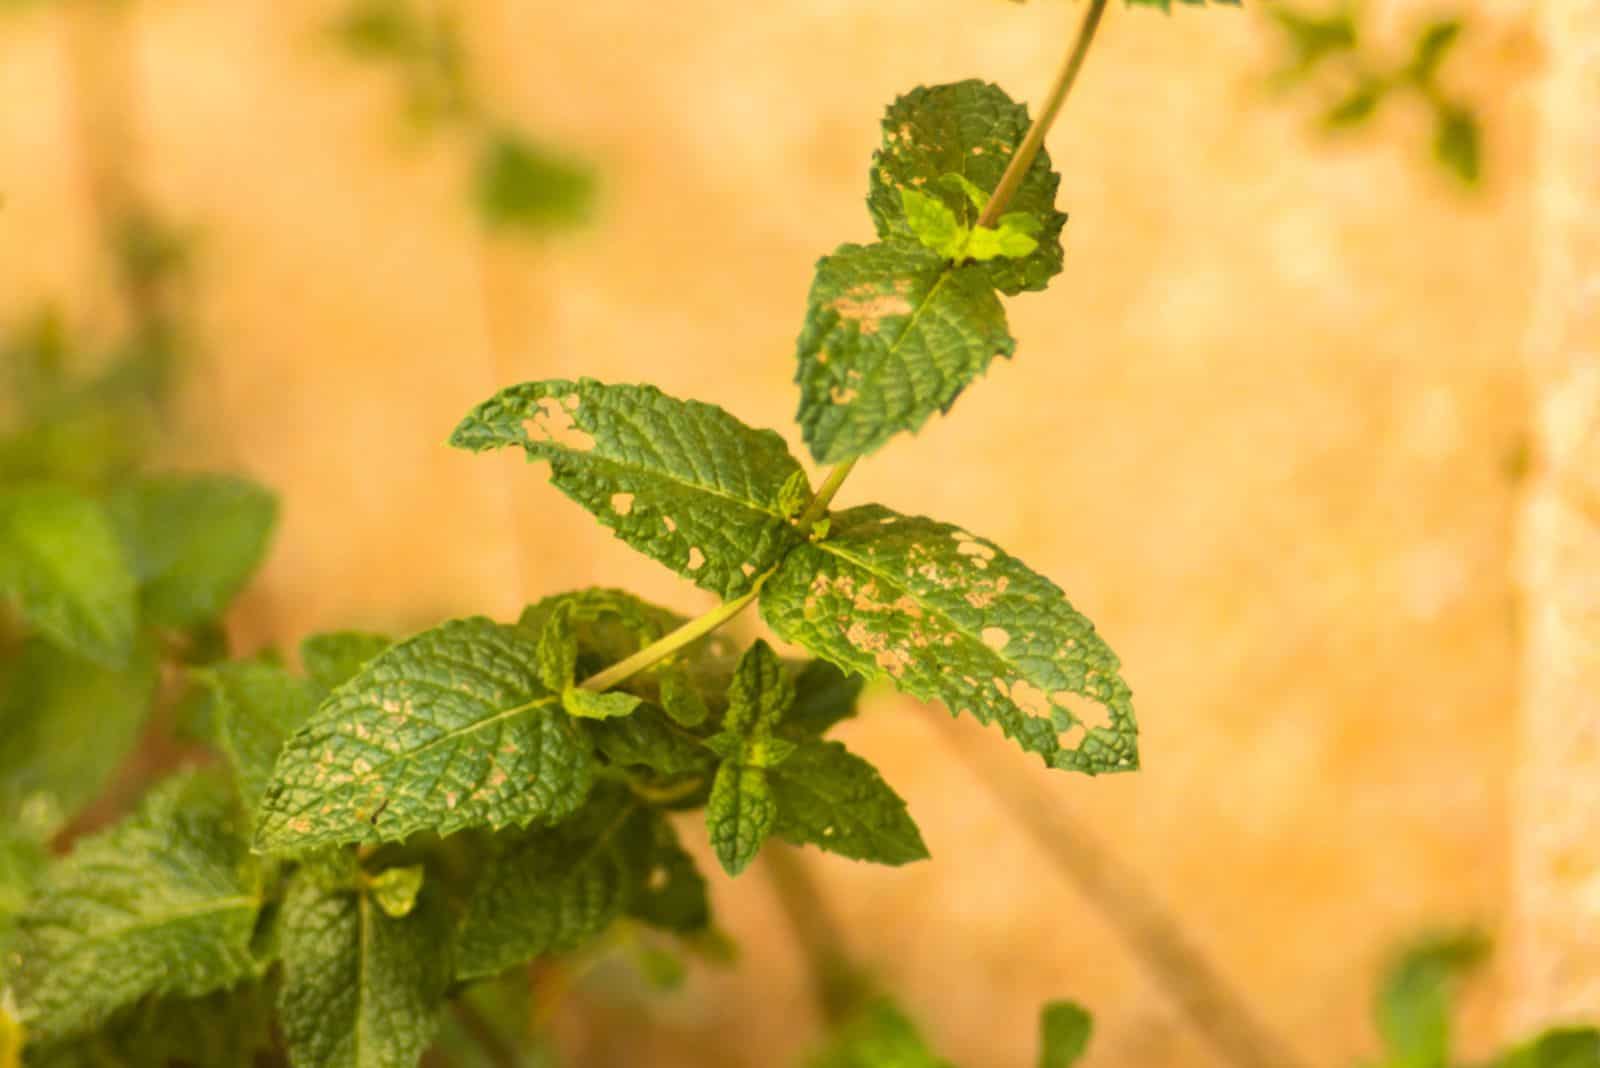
(1259, 430)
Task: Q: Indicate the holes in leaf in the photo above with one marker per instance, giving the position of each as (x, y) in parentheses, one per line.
(1083, 710)
(622, 503)
(697, 559)
(556, 424)
(996, 638)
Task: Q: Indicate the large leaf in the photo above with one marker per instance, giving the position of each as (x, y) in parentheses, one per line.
(828, 797)
(163, 903)
(893, 333)
(193, 541)
(969, 129)
(683, 482)
(60, 560)
(256, 707)
(448, 730)
(361, 989)
(65, 726)
(949, 617)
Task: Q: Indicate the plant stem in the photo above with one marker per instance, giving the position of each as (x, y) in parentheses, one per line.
(830, 486)
(662, 648)
(1017, 169)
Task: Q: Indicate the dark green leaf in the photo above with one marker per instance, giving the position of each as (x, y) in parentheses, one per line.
(523, 186)
(828, 797)
(1568, 1047)
(333, 659)
(360, 988)
(683, 482)
(1455, 143)
(1064, 1030)
(947, 616)
(893, 333)
(61, 562)
(256, 706)
(671, 892)
(447, 730)
(824, 696)
(740, 814)
(650, 739)
(1434, 44)
(1357, 107)
(163, 903)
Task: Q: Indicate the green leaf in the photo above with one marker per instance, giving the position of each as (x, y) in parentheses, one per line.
(333, 659)
(824, 696)
(740, 814)
(1013, 238)
(447, 730)
(949, 617)
(1414, 1004)
(1456, 143)
(521, 185)
(879, 1036)
(66, 725)
(61, 562)
(361, 989)
(384, 29)
(22, 865)
(670, 892)
(828, 797)
(586, 704)
(1313, 38)
(893, 333)
(396, 889)
(968, 129)
(681, 700)
(256, 707)
(162, 903)
(933, 224)
(193, 541)
(650, 739)
(683, 482)
(558, 650)
(759, 696)
(1064, 1030)
(549, 891)
(1433, 45)
(1357, 107)
(1567, 1047)
(226, 1027)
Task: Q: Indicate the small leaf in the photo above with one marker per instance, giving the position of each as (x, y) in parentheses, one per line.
(1357, 107)
(1313, 38)
(396, 889)
(893, 333)
(61, 562)
(760, 694)
(548, 891)
(447, 730)
(824, 696)
(1433, 45)
(681, 700)
(586, 704)
(949, 617)
(682, 482)
(523, 186)
(1064, 1030)
(193, 540)
(649, 739)
(1566, 1047)
(1013, 238)
(1455, 143)
(360, 989)
(828, 797)
(933, 224)
(739, 815)
(163, 903)
(68, 725)
(1415, 1003)
(257, 706)
(558, 650)
(969, 129)
(333, 659)
(878, 1036)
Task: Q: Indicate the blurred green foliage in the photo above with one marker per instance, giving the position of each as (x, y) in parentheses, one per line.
(520, 185)
(1331, 50)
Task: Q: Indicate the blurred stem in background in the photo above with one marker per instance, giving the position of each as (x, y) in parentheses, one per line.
(1331, 51)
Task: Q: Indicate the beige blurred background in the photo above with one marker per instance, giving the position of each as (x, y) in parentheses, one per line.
(1264, 430)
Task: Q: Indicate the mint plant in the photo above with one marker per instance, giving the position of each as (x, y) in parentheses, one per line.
(400, 827)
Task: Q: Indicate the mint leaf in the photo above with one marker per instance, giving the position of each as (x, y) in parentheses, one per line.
(969, 129)
(681, 700)
(447, 730)
(193, 541)
(893, 333)
(1568, 1047)
(1433, 45)
(256, 707)
(670, 892)
(22, 865)
(650, 739)
(361, 989)
(66, 725)
(548, 891)
(586, 704)
(933, 224)
(62, 564)
(1064, 1030)
(332, 659)
(226, 1027)
(523, 186)
(1414, 1004)
(1455, 143)
(682, 482)
(162, 903)
(558, 650)
(758, 697)
(878, 1036)
(739, 815)
(1013, 238)
(949, 617)
(828, 797)
(396, 889)
(824, 695)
